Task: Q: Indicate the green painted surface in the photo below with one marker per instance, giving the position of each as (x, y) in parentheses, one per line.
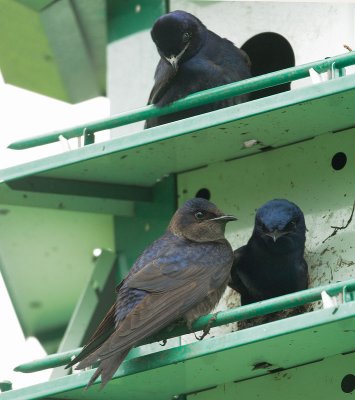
(67, 41)
(150, 221)
(317, 381)
(128, 17)
(54, 48)
(27, 59)
(283, 344)
(90, 309)
(46, 261)
(142, 159)
(36, 5)
(65, 202)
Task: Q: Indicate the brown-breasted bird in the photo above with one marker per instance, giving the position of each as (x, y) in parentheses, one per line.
(193, 58)
(183, 274)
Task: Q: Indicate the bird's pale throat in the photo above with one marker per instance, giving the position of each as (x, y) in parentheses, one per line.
(174, 60)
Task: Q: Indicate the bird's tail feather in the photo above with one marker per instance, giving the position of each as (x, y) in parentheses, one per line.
(107, 368)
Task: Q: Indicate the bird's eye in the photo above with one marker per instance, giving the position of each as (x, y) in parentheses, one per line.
(186, 37)
(199, 215)
(290, 226)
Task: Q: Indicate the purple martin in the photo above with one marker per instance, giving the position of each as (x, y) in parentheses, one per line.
(272, 263)
(183, 274)
(193, 58)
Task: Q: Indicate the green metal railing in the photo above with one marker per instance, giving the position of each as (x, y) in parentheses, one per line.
(221, 318)
(194, 100)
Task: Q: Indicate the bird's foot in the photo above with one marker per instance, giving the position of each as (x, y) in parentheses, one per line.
(163, 342)
(207, 328)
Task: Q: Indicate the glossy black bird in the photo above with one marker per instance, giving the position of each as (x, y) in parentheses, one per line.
(272, 262)
(181, 275)
(192, 59)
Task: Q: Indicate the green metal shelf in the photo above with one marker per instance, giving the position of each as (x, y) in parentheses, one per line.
(125, 168)
(237, 356)
(221, 318)
(334, 65)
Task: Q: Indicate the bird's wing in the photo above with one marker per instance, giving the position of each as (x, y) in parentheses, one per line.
(235, 282)
(157, 277)
(171, 293)
(102, 333)
(163, 76)
(156, 311)
(197, 74)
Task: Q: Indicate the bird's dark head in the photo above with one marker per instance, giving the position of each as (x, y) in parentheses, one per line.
(279, 222)
(200, 221)
(178, 36)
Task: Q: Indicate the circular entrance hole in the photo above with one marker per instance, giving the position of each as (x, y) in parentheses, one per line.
(339, 161)
(203, 193)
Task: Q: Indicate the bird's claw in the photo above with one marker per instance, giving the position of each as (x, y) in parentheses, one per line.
(163, 342)
(207, 328)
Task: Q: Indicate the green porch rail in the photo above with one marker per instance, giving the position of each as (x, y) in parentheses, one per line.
(221, 318)
(194, 100)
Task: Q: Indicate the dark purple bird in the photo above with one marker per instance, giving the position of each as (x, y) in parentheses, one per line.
(181, 275)
(272, 262)
(192, 59)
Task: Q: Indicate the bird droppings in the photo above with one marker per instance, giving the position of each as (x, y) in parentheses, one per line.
(250, 143)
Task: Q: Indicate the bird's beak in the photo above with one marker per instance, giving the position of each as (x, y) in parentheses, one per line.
(276, 234)
(225, 218)
(174, 60)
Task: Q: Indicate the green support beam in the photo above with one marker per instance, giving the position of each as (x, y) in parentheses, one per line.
(82, 188)
(94, 300)
(55, 48)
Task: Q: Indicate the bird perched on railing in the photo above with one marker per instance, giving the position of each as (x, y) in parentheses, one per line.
(272, 263)
(181, 275)
(192, 59)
